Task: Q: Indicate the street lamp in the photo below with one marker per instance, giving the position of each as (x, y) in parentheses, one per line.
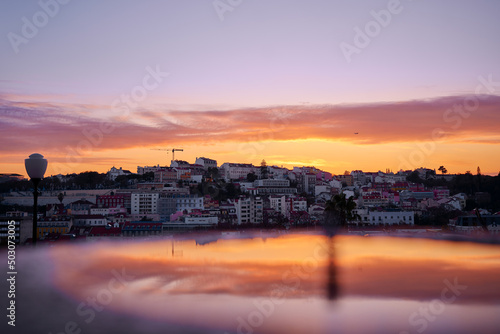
(36, 166)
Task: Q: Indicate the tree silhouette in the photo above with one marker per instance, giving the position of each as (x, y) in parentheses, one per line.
(443, 170)
(338, 212)
(251, 177)
(213, 173)
(263, 169)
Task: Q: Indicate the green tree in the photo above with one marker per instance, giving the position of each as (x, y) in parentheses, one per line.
(60, 197)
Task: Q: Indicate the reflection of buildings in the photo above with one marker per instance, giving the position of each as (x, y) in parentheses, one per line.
(141, 228)
(332, 290)
(472, 223)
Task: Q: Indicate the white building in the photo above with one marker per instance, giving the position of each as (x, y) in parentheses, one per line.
(188, 203)
(148, 169)
(278, 203)
(232, 171)
(179, 163)
(285, 205)
(275, 172)
(249, 210)
(271, 183)
(144, 203)
(462, 198)
(318, 189)
(201, 220)
(387, 217)
(114, 172)
(272, 187)
(451, 203)
(297, 204)
(99, 211)
(348, 193)
(206, 163)
(336, 184)
(90, 220)
(359, 177)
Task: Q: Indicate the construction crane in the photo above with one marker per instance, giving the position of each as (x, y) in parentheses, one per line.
(168, 150)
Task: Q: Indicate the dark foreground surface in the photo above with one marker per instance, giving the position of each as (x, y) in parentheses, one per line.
(292, 283)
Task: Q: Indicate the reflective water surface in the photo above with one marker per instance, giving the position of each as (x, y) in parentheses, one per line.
(282, 284)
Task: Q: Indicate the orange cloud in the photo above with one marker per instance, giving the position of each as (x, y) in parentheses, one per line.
(53, 126)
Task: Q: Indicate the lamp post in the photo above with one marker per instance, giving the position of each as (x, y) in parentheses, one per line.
(36, 166)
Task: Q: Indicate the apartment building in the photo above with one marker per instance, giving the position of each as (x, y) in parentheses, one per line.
(285, 205)
(144, 203)
(249, 210)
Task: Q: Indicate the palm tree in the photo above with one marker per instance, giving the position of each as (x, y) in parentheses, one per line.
(442, 169)
(338, 212)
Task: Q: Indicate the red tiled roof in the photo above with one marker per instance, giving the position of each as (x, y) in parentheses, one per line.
(103, 230)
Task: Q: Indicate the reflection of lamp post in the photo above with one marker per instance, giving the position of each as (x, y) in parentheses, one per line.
(36, 166)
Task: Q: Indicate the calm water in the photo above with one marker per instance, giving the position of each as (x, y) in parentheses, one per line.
(274, 284)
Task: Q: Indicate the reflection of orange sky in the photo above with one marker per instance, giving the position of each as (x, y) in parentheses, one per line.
(390, 267)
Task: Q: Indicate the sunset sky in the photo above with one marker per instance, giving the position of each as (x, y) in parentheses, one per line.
(341, 85)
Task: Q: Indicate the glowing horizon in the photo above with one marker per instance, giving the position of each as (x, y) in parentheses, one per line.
(333, 138)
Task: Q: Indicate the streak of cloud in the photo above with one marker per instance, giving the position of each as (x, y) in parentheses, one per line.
(48, 126)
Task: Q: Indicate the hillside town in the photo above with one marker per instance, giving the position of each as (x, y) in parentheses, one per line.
(161, 200)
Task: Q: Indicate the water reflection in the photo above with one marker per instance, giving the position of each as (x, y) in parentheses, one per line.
(332, 285)
(279, 283)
